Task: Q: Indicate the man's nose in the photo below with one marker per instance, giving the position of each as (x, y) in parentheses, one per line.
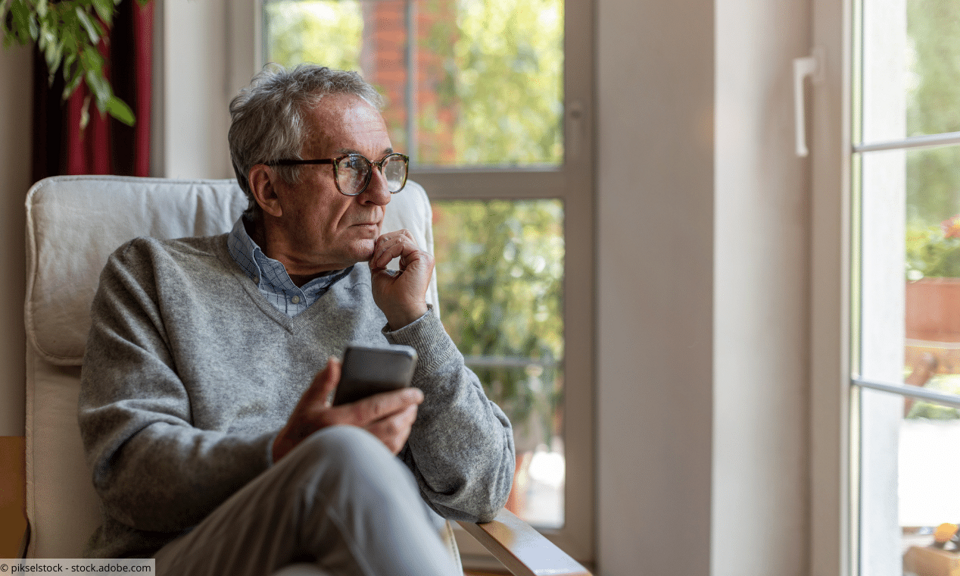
(377, 191)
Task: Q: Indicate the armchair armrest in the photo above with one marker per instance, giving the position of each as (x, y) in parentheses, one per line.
(521, 549)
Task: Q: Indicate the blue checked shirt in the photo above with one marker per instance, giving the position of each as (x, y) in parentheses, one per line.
(271, 277)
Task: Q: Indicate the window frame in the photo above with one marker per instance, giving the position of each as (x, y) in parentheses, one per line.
(573, 182)
(831, 425)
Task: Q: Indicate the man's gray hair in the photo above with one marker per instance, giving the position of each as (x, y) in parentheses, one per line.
(267, 116)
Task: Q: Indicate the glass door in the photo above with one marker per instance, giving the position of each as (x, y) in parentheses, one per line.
(906, 284)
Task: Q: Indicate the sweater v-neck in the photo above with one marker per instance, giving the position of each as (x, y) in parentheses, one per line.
(291, 324)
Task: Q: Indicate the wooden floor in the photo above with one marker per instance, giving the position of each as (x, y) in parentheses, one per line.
(12, 523)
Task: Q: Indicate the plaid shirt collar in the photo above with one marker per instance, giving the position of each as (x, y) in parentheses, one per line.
(272, 278)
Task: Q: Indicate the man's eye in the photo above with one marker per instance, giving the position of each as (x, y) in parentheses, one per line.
(353, 163)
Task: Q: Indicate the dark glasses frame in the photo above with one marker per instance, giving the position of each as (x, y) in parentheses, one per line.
(336, 168)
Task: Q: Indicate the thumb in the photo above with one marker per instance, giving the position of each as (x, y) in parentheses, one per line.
(323, 385)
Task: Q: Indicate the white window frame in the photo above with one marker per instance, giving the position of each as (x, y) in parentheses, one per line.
(831, 472)
(573, 183)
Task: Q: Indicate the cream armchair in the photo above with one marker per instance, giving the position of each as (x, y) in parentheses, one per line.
(73, 224)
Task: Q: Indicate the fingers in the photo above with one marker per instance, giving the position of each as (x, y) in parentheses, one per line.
(394, 430)
(309, 415)
(393, 245)
(365, 412)
(400, 296)
(323, 385)
(389, 416)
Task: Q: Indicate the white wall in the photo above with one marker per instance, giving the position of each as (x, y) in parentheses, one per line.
(195, 119)
(655, 193)
(209, 54)
(703, 275)
(16, 89)
(761, 270)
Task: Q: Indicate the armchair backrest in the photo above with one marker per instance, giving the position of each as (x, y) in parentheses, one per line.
(73, 224)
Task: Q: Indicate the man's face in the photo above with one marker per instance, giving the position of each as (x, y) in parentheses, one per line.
(324, 229)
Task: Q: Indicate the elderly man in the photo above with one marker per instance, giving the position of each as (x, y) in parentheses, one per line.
(204, 403)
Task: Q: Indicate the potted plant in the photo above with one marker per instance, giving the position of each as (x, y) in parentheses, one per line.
(933, 281)
(69, 34)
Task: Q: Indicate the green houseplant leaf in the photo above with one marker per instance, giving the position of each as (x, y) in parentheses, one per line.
(119, 110)
(69, 34)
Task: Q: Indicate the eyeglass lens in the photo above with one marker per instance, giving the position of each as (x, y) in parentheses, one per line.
(354, 172)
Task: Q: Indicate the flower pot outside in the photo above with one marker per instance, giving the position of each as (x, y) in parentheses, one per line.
(933, 310)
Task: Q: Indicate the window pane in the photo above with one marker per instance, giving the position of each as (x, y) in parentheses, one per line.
(933, 64)
(924, 491)
(932, 263)
(500, 275)
(489, 73)
(906, 204)
(329, 33)
(910, 332)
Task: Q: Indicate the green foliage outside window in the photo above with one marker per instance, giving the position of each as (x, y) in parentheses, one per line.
(933, 106)
(933, 251)
(505, 74)
(932, 246)
(326, 33)
(500, 275)
(945, 383)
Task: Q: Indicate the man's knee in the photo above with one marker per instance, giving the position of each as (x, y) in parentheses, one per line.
(348, 459)
(343, 447)
(344, 442)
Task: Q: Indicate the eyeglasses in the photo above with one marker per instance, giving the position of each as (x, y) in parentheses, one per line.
(353, 172)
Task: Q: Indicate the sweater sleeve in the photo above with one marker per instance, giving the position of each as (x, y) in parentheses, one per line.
(461, 446)
(152, 469)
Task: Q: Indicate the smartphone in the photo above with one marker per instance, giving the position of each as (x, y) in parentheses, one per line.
(368, 371)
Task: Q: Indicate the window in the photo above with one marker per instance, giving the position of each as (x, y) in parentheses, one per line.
(491, 100)
(468, 82)
(905, 346)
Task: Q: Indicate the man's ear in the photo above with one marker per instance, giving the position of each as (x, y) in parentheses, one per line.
(262, 179)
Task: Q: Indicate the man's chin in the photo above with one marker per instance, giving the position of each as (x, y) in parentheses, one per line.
(358, 250)
(365, 251)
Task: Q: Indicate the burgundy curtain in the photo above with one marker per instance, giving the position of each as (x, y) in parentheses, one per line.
(105, 146)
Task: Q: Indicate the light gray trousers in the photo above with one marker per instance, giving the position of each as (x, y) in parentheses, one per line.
(340, 503)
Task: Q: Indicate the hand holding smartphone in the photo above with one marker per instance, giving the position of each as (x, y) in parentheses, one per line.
(368, 371)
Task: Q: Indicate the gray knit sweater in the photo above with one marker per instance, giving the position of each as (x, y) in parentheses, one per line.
(190, 373)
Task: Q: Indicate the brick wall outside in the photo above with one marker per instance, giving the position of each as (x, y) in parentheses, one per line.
(383, 61)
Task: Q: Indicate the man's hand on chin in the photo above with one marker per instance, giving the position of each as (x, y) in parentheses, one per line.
(401, 295)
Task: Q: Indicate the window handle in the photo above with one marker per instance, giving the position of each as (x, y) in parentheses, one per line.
(811, 66)
(575, 114)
